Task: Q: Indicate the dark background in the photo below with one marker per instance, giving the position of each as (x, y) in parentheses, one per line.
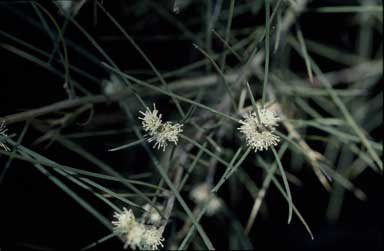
(36, 215)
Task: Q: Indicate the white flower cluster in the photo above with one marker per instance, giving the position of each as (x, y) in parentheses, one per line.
(151, 215)
(113, 85)
(201, 194)
(159, 132)
(258, 131)
(3, 131)
(136, 234)
(257, 128)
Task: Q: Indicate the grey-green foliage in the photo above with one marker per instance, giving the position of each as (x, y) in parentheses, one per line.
(251, 68)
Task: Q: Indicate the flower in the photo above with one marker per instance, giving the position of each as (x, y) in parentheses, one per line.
(3, 131)
(268, 118)
(260, 141)
(159, 132)
(258, 131)
(136, 234)
(128, 229)
(151, 215)
(152, 238)
(151, 120)
(123, 221)
(134, 237)
(168, 132)
(214, 205)
(201, 194)
(113, 85)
